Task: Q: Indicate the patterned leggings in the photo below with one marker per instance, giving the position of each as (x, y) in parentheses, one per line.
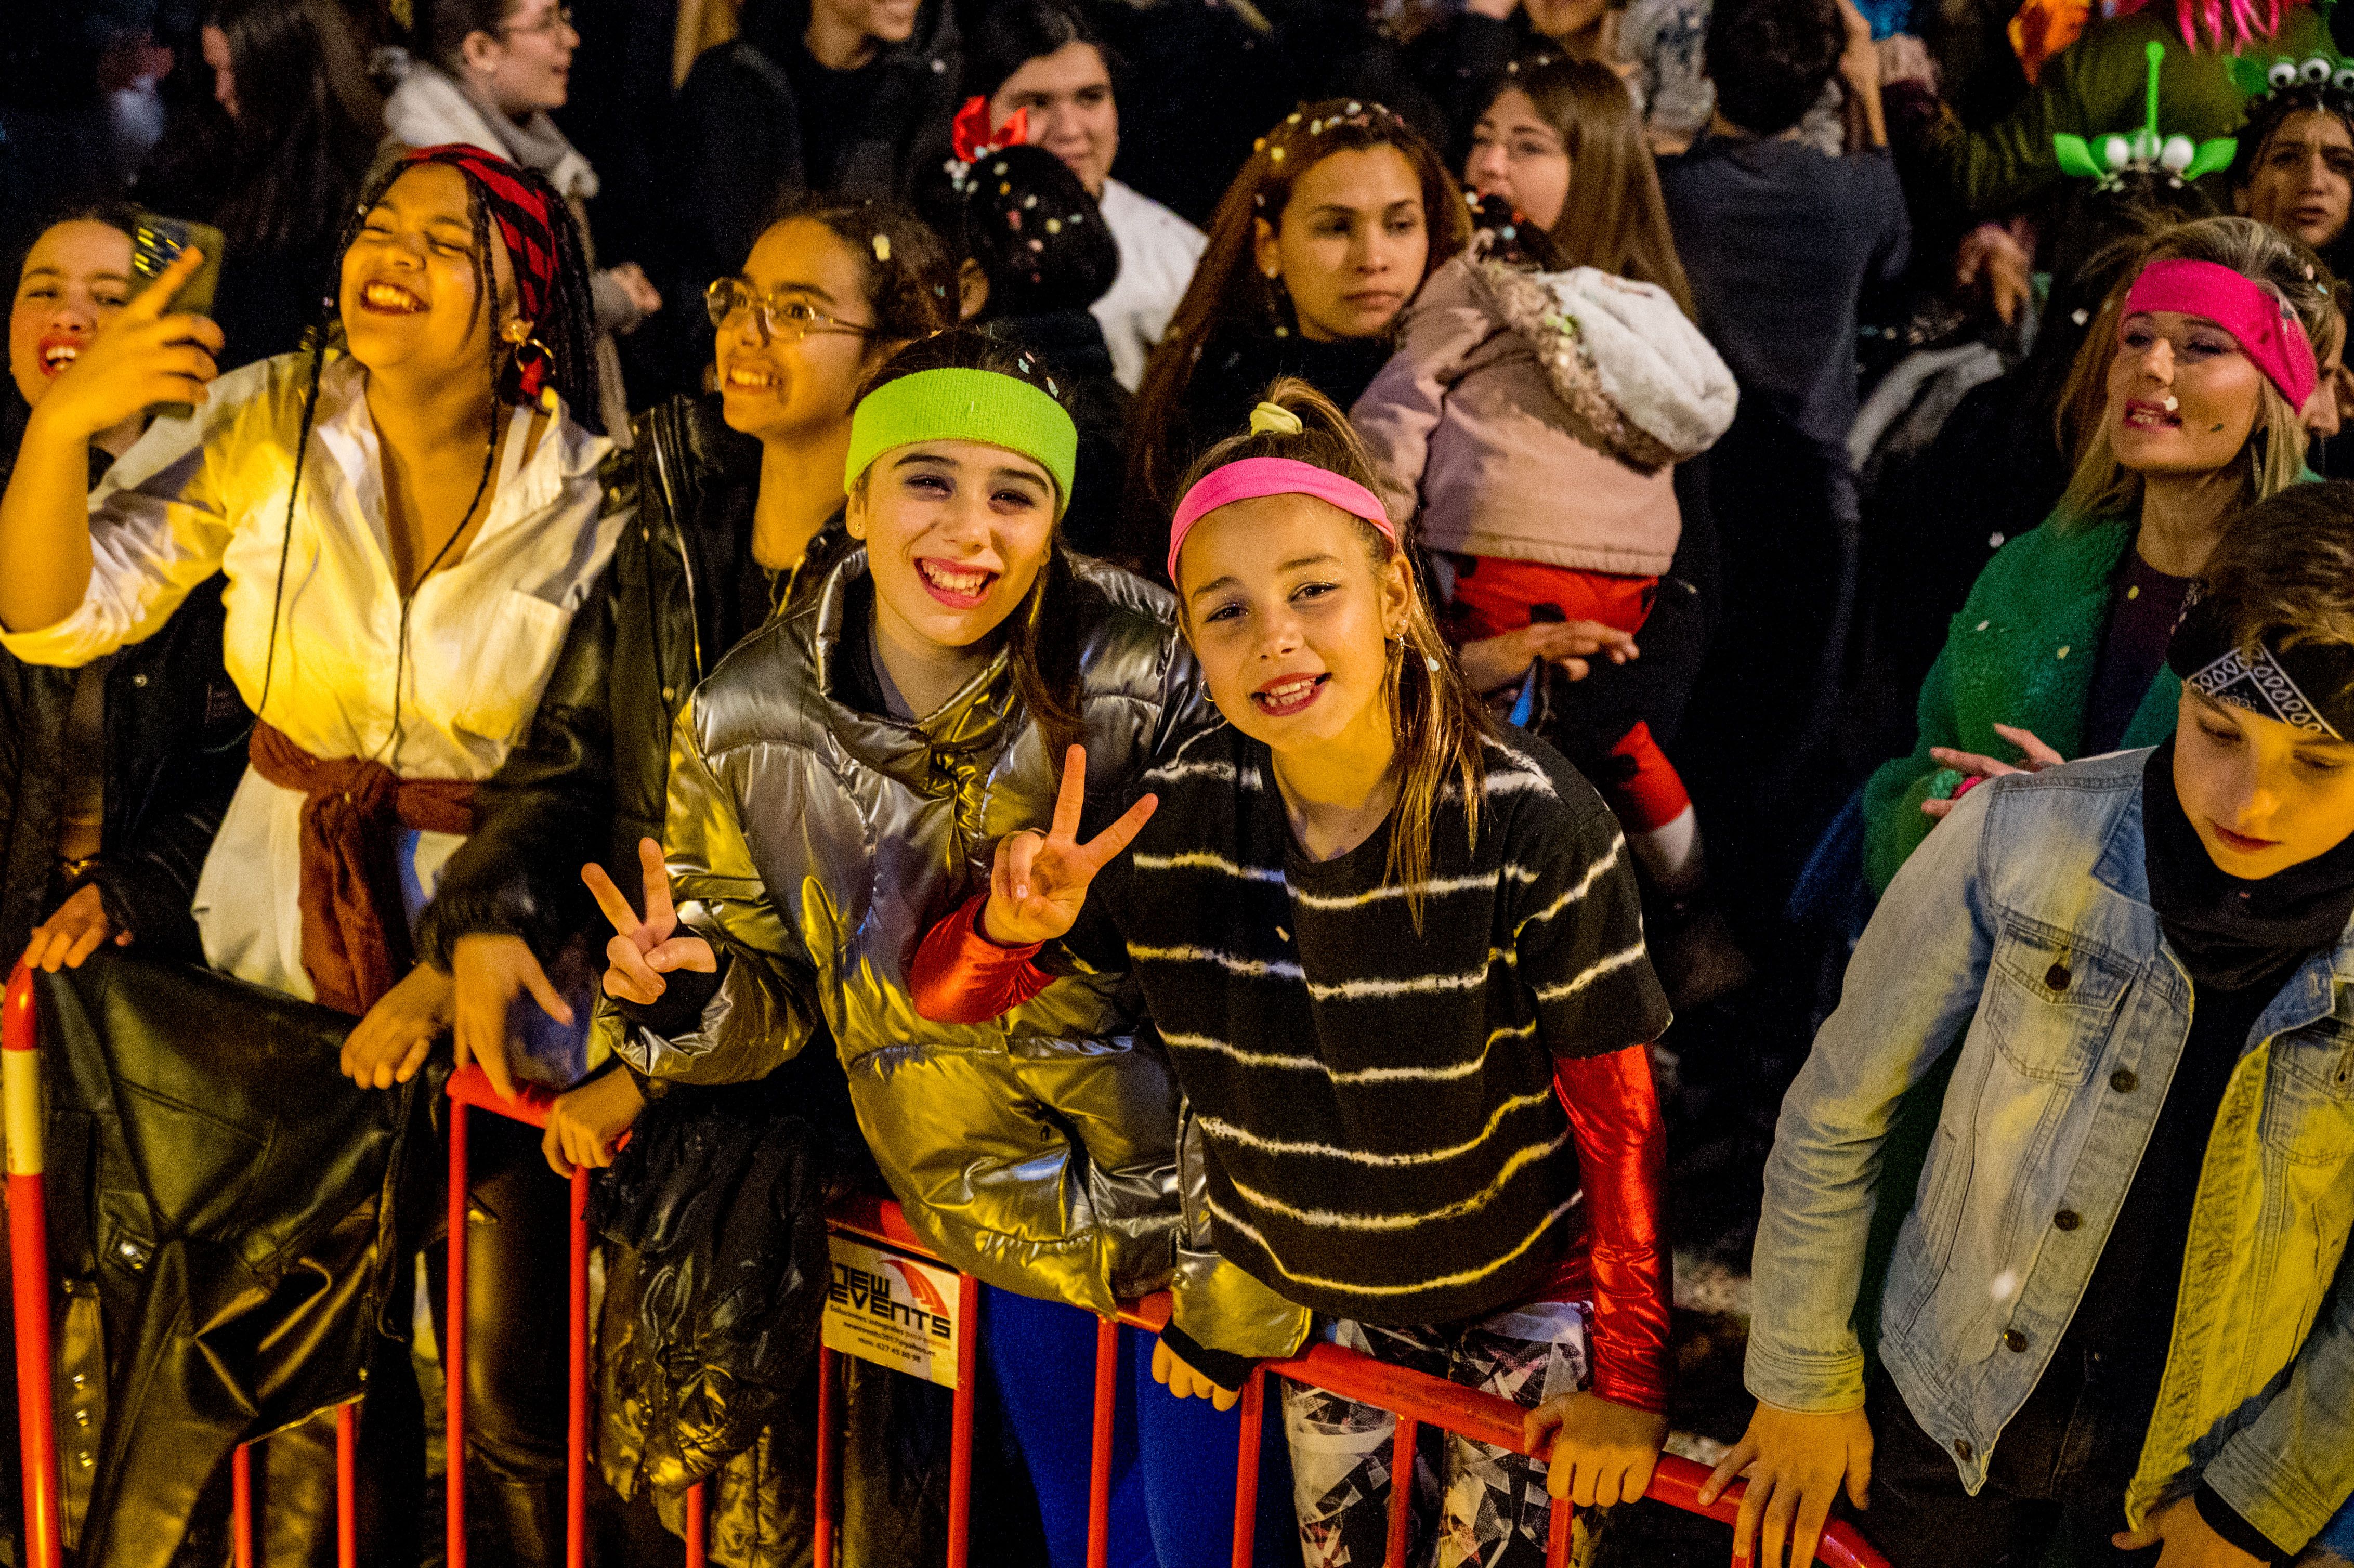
(1473, 1503)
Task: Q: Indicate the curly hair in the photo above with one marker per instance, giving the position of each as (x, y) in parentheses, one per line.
(909, 276)
(1770, 59)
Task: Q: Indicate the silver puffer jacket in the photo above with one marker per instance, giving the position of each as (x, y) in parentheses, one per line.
(813, 844)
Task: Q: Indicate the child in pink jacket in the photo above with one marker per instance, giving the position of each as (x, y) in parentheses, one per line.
(1530, 424)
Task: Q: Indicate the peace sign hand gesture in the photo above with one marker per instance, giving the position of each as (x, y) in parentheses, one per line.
(642, 951)
(1041, 880)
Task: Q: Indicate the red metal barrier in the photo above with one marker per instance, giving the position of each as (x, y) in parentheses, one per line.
(1415, 1398)
(471, 1087)
(28, 1263)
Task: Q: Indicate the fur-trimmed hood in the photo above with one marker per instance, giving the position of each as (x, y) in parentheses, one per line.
(1620, 354)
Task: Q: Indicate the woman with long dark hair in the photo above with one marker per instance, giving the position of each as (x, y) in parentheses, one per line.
(1327, 231)
(406, 517)
(299, 121)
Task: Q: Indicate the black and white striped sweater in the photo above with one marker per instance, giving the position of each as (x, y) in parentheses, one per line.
(1378, 1105)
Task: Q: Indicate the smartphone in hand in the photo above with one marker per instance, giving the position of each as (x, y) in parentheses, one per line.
(156, 242)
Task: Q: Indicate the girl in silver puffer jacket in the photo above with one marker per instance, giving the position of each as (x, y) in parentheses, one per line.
(840, 782)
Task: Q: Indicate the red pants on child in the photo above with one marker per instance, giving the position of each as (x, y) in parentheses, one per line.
(1499, 595)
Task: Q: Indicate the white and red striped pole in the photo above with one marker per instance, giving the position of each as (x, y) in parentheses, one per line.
(28, 1265)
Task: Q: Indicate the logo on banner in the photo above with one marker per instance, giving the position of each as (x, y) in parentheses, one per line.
(893, 1310)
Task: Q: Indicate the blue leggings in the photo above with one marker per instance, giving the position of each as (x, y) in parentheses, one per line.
(1173, 1492)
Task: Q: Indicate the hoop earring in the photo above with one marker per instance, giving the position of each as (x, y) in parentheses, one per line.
(532, 363)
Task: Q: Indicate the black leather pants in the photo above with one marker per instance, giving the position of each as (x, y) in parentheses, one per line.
(517, 1276)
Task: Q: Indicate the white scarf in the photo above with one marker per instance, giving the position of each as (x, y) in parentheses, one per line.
(430, 108)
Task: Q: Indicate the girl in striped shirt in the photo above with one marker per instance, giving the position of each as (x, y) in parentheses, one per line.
(1396, 957)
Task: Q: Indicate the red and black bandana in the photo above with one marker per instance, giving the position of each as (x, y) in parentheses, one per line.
(522, 208)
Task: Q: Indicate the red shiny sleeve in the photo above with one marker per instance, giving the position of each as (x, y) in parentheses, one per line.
(962, 977)
(1614, 1114)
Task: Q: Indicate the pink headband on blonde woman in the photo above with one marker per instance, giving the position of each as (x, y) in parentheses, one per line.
(2268, 330)
(1250, 478)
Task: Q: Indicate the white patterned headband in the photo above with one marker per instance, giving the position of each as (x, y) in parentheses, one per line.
(2309, 686)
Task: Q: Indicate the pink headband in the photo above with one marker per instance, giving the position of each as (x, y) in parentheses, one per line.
(2267, 330)
(1251, 478)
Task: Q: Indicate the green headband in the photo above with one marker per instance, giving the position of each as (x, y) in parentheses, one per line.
(965, 406)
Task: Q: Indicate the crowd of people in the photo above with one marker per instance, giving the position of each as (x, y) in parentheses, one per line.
(1293, 652)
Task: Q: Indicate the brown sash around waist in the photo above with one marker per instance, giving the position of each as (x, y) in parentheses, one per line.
(355, 930)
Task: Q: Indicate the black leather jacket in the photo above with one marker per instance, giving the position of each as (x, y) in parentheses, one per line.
(593, 778)
(231, 1218)
(175, 749)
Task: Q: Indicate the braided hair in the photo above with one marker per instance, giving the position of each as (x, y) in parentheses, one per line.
(555, 359)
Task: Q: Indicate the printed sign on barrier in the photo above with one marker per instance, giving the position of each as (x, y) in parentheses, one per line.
(893, 1310)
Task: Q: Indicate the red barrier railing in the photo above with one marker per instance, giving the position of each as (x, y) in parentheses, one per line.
(1417, 1399)
(470, 1088)
(28, 1265)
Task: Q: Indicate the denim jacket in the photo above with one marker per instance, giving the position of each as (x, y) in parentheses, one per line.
(2021, 935)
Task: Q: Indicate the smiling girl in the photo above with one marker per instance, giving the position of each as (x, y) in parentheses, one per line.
(119, 736)
(2060, 651)
(406, 519)
(489, 73)
(837, 785)
(1397, 956)
(1327, 231)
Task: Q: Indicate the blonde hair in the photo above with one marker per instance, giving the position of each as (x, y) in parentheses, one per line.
(2101, 486)
(1440, 722)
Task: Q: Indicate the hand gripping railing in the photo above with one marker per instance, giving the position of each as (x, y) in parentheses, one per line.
(1415, 1398)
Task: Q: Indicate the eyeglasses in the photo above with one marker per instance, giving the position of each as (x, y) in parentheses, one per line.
(560, 19)
(781, 317)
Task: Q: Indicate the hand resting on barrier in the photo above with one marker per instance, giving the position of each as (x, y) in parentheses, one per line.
(1168, 1369)
(1795, 1462)
(71, 934)
(587, 1123)
(1603, 1452)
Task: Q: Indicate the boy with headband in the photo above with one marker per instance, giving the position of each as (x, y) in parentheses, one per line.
(2113, 1313)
